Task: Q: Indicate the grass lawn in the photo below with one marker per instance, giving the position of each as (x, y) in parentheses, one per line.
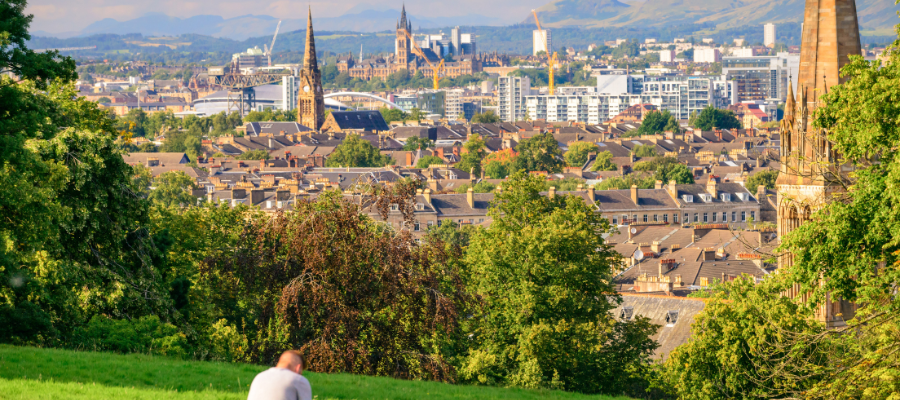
(33, 373)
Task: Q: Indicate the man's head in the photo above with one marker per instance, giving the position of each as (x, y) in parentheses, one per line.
(291, 360)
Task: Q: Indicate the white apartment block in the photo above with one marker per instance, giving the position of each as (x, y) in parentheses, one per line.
(743, 52)
(511, 92)
(541, 41)
(707, 55)
(453, 103)
(769, 35)
(667, 56)
(289, 92)
(680, 95)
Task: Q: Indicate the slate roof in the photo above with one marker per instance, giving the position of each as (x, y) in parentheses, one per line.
(369, 121)
(274, 128)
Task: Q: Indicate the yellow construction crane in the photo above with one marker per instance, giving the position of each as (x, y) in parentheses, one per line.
(552, 60)
(436, 70)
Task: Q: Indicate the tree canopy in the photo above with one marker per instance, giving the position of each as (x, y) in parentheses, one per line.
(539, 153)
(577, 154)
(356, 152)
(713, 118)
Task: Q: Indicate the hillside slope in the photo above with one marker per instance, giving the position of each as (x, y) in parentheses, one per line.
(873, 14)
(34, 373)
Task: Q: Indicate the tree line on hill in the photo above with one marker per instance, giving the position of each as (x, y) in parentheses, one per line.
(93, 259)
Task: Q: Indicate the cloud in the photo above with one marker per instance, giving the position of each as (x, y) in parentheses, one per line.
(72, 15)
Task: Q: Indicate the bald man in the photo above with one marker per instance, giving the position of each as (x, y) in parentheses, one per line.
(283, 382)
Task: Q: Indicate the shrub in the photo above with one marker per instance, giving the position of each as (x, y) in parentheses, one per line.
(143, 335)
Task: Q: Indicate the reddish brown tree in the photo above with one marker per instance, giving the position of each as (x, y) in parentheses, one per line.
(351, 293)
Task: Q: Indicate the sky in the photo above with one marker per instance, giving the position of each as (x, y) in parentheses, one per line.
(57, 16)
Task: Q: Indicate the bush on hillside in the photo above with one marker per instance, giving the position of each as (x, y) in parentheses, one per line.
(143, 335)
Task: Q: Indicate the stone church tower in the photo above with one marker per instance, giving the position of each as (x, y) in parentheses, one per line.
(310, 99)
(808, 163)
(404, 26)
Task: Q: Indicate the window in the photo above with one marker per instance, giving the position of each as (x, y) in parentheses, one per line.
(439, 222)
(416, 226)
(645, 217)
(624, 218)
(655, 218)
(480, 220)
(687, 217)
(395, 207)
(666, 218)
(634, 218)
(471, 221)
(753, 215)
(696, 218)
(743, 215)
(724, 216)
(675, 218)
(430, 224)
(714, 217)
(706, 217)
(615, 221)
(733, 216)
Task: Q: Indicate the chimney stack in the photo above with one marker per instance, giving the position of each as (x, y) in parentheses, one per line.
(257, 196)
(711, 187)
(672, 189)
(427, 195)
(658, 185)
(552, 192)
(591, 193)
(760, 193)
(634, 194)
(470, 197)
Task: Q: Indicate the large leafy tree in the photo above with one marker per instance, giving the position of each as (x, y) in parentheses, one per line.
(763, 178)
(73, 241)
(656, 122)
(577, 154)
(356, 152)
(487, 117)
(475, 151)
(173, 188)
(603, 162)
(543, 272)
(539, 153)
(713, 118)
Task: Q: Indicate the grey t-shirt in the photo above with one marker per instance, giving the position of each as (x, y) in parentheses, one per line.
(279, 384)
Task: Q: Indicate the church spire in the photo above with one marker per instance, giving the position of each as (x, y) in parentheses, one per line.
(403, 21)
(310, 62)
(789, 105)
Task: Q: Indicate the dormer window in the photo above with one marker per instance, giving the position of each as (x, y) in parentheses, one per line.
(420, 206)
(706, 197)
(725, 196)
(627, 313)
(671, 317)
(687, 198)
(395, 207)
(743, 196)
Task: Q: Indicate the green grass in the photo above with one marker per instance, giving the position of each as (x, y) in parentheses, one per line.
(34, 373)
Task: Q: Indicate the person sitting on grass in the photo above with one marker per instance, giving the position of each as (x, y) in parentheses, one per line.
(283, 382)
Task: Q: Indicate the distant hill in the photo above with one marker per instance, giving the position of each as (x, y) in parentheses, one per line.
(873, 14)
(248, 26)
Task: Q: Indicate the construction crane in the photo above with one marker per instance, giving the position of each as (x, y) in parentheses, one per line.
(268, 50)
(552, 60)
(435, 69)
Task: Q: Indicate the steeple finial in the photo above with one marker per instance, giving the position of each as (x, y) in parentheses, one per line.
(403, 21)
(309, 61)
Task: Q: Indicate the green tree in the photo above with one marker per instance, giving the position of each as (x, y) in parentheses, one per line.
(474, 153)
(356, 152)
(713, 118)
(544, 272)
(577, 154)
(496, 170)
(415, 143)
(147, 148)
(487, 117)
(480, 187)
(104, 100)
(644, 150)
(603, 162)
(258, 154)
(393, 114)
(539, 153)
(763, 178)
(416, 114)
(427, 161)
(656, 122)
(451, 233)
(173, 188)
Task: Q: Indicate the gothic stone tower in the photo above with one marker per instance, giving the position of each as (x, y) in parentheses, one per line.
(310, 100)
(404, 26)
(830, 35)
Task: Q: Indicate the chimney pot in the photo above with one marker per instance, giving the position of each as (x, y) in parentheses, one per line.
(658, 185)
